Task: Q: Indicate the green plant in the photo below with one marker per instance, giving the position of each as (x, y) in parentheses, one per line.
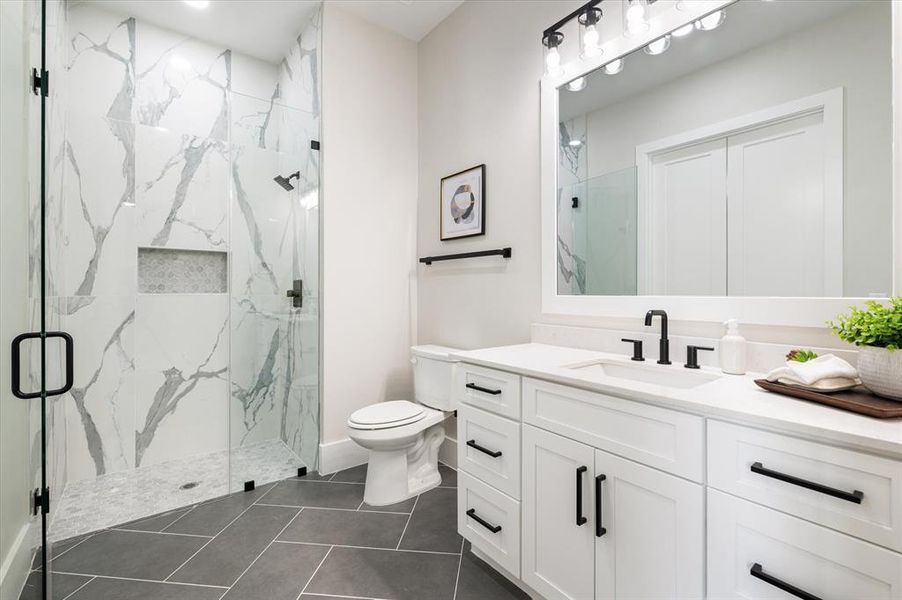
(875, 325)
(801, 355)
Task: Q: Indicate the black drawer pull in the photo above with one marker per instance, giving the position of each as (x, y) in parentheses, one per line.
(484, 450)
(473, 386)
(580, 519)
(758, 572)
(599, 528)
(493, 528)
(854, 496)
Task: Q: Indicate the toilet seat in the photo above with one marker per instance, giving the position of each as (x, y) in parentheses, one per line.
(386, 415)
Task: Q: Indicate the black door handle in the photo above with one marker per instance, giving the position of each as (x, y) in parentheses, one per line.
(854, 496)
(580, 519)
(473, 386)
(758, 572)
(16, 364)
(493, 528)
(492, 453)
(599, 528)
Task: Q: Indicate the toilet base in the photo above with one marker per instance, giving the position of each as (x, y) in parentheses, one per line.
(395, 475)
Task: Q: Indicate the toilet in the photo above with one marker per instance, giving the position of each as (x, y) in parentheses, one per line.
(403, 437)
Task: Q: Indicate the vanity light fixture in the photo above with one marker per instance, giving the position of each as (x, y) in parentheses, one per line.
(577, 85)
(613, 67)
(635, 17)
(712, 21)
(659, 46)
(551, 41)
(588, 21)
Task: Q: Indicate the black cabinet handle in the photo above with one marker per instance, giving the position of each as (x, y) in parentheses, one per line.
(493, 528)
(757, 571)
(473, 386)
(854, 496)
(580, 519)
(492, 453)
(15, 360)
(599, 528)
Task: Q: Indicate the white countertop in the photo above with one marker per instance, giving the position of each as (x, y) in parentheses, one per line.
(730, 397)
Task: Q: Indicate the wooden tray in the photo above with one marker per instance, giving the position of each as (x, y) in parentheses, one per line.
(857, 400)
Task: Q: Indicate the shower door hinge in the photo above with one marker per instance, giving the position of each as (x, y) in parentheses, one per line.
(40, 501)
(40, 83)
(296, 293)
(314, 145)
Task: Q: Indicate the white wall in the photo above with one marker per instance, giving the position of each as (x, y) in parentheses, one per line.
(479, 76)
(368, 211)
(14, 460)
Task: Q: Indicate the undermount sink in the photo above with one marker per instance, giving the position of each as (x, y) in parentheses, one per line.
(672, 376)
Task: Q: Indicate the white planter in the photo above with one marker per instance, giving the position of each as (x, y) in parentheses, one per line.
(881, 371)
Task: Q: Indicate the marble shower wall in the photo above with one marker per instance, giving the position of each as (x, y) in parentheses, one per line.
(168, 142)
(275, 347)
(572, 176)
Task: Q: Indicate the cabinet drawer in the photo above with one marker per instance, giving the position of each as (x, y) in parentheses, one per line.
(665, 439)
(850, 491)
(745, 540)
(489, 448)
(494, 391)
(490, 520)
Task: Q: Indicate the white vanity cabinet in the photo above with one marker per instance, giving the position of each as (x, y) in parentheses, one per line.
(600, 526)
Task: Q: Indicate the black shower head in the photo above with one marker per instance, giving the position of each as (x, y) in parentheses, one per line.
(285, 182)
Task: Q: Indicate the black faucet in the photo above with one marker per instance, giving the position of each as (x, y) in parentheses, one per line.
(664, 357)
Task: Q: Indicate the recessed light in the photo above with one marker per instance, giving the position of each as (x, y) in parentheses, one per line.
(659, 46)
(575, 143)
(577, 84)
(198, 4)
(613, 67)
(684, 30)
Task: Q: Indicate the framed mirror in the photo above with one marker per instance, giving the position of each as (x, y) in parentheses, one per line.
(742, 154)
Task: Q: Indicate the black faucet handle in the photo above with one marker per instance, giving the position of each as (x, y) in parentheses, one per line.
(637, 348)
(692, 355)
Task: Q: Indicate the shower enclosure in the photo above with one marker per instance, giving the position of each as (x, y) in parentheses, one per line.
(170, 294)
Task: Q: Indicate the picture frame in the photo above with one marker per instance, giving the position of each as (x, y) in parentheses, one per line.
(462, 204)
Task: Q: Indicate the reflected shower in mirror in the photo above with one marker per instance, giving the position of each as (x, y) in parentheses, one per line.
(749, 154)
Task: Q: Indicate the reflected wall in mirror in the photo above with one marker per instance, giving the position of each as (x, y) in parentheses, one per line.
(754, 159)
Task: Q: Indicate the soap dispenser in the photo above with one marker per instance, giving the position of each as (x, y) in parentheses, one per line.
(732, 350)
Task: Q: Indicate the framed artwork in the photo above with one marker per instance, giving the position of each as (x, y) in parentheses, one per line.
(462, 207)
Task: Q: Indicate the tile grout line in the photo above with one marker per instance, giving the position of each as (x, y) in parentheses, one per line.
(271, 542)
(368, 548)
(459, 566)
(76, 590)
(315, 571)
(53, 556)
(210, 540)
(378, 512)
(406, 525)
(179, 518)
(117, 578)
(163, 533)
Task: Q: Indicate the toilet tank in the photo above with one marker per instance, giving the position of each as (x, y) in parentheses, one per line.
(432, 372)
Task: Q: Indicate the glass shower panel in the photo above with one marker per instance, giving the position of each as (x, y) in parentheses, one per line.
(274, 271)
(611, 247)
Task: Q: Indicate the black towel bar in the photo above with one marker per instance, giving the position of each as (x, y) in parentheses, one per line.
(505, 252)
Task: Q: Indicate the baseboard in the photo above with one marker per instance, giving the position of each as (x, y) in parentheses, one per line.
(343, 454)
(14, 569)
(447, 453)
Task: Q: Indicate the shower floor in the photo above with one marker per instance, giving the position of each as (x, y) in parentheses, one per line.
(107, 500)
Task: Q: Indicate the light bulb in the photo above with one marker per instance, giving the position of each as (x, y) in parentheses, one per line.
(613, 67)
(635, 12)
(711, 22)
(684, 30)
(577, 84)
(553, 62)
(590, 38)
(658, 46)
(636, 20)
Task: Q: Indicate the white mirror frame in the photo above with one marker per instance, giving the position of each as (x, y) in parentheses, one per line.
(799, 312)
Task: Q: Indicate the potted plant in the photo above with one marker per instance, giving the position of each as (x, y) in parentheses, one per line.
(877, 331)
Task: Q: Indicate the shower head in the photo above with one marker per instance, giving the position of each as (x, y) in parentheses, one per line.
(285, 182)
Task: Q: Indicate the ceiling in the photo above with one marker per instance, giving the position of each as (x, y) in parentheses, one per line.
(265, 29)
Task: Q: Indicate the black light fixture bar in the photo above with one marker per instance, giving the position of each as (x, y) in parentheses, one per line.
(505, 252)
(576, 13)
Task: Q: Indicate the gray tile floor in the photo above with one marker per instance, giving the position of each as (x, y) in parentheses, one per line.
(309, 538)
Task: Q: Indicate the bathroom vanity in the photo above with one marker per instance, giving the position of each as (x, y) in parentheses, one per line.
(583, 475)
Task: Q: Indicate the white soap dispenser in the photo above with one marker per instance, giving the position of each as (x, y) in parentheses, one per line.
(732, 350)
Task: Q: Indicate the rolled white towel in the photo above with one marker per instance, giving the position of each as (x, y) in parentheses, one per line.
(808, 373)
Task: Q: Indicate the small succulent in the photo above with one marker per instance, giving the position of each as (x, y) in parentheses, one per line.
(801, 356)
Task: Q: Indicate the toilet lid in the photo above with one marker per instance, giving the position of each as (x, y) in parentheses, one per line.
(386, 414)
